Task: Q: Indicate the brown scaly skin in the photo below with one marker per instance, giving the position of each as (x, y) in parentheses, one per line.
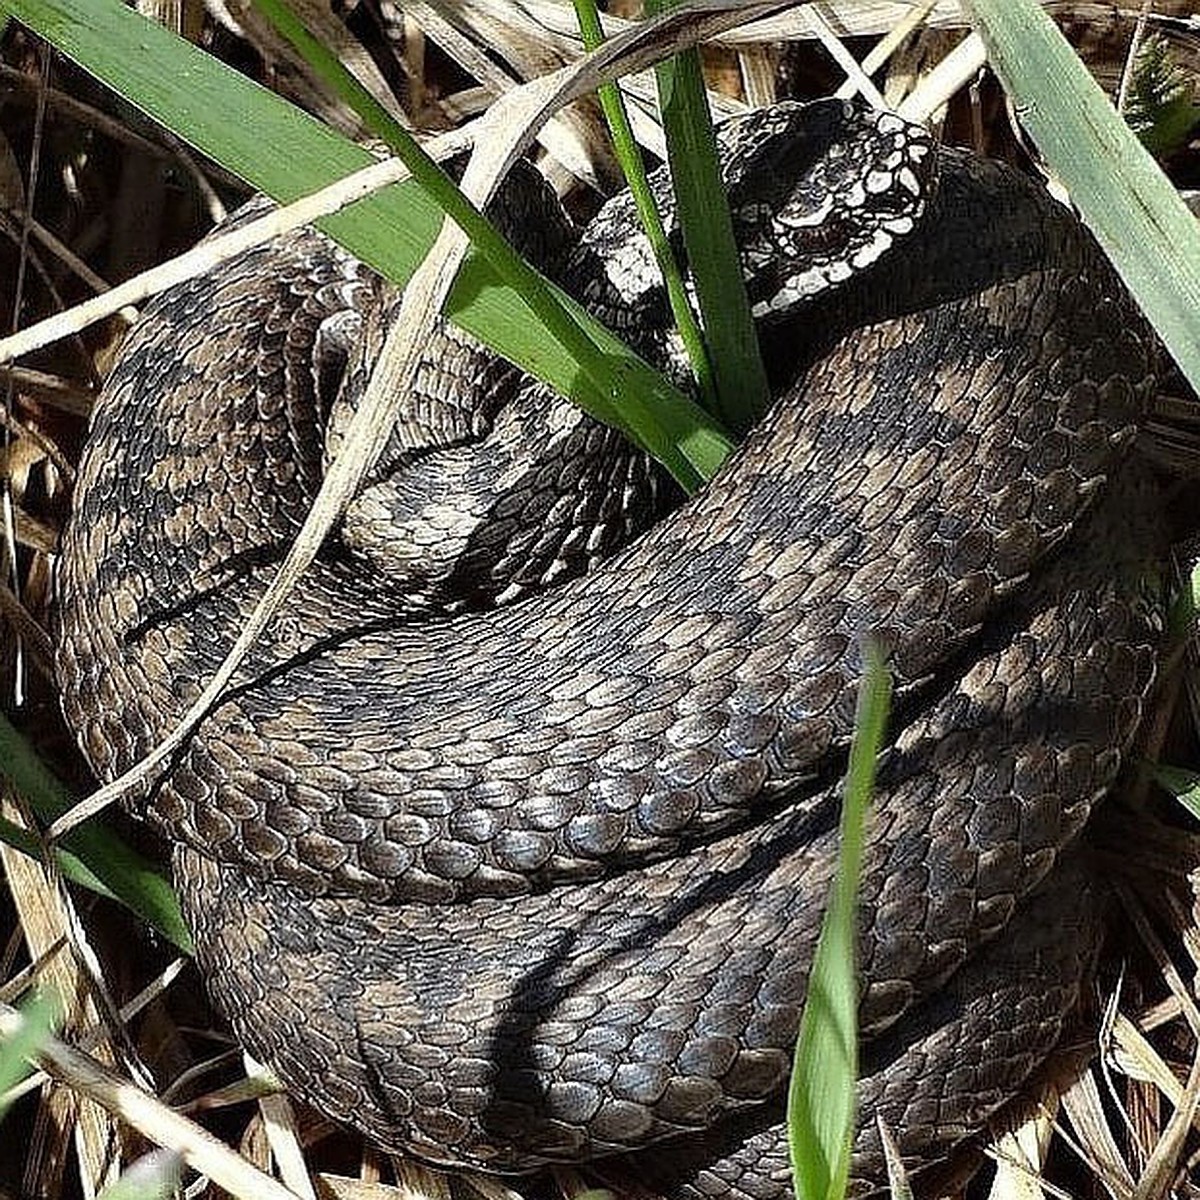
(541, 883)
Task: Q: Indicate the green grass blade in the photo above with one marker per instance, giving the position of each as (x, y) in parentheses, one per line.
(283, 152)
(93, 855)
(1127, 202)
(821, 1094)
(38, 1019)
(629, 155)
(566, 324)
(72, 867)
(742, 392)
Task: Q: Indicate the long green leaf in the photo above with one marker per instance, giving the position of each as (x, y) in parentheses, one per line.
(825, 1071)
(740, 380)
(72, 867)
(281, 151)
(563, 321)
(93, 855)
(1127, 202)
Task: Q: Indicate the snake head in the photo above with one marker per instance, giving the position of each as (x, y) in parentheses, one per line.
(818, 192)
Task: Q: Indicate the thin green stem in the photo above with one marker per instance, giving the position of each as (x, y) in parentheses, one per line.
(741, 380)
(821, 1096)
(629, 155)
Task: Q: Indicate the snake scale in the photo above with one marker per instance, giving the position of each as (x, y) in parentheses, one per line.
(535, 875)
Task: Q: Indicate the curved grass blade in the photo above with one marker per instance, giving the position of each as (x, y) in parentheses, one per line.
(629, 155)
(281, 151)
(559, 317)
(93, 855)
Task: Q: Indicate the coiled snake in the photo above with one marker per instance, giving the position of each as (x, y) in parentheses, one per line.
(507, 868)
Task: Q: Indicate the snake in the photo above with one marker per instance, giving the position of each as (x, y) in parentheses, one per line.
(510, 842)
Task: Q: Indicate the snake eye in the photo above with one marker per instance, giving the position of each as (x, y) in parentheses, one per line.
(795, 156)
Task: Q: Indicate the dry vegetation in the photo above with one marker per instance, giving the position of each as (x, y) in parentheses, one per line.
(111, 197)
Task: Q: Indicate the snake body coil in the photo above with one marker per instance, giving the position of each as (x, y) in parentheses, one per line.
(540, 879)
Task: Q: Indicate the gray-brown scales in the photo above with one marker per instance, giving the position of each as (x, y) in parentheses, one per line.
(507, 864)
